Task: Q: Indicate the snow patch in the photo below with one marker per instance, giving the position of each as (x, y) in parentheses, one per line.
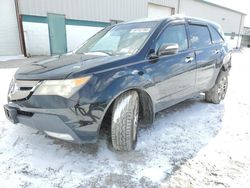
(192, 144)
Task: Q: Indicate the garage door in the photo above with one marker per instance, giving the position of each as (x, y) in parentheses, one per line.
(158, 11)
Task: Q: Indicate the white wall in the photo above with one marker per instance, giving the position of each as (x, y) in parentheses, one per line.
(168, 3)
(9, 37)
(229, 20)
(158, 11)
(76, 35)
(36, 38)
(233, 43)
(94, 10)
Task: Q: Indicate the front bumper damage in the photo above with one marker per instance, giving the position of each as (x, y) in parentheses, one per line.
(63, 123)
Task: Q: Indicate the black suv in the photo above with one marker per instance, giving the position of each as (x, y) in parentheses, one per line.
(127, 72)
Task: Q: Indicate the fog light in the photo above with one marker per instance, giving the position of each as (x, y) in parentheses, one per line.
(59, 135)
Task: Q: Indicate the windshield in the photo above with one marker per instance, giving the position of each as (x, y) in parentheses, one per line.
(124, 39)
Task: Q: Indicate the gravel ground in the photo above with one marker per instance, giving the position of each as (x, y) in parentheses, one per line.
(192, 144)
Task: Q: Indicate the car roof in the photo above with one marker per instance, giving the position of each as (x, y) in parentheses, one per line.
(176, 17)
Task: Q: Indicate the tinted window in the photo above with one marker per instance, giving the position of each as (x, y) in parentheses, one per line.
(199, 36)
(174, 34)
(216, 38)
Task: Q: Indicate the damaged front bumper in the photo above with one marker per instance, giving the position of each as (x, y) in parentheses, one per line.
(69, 124)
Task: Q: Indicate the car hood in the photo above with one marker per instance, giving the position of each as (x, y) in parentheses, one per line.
(61, 66)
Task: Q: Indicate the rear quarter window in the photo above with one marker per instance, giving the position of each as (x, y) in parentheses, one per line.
(199, 36)
(216, 37)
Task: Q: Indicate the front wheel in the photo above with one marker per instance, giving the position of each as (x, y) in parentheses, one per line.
(125, 121)
(219, 90)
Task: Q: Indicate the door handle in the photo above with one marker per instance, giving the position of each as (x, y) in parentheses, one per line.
(217, 51)
(189, 59)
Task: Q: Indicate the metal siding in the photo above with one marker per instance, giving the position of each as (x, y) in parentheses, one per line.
(158, 11)
(123, 10)
(95, 10)
(9, 37)
(43, 19)
(168, 3)
(229, 20)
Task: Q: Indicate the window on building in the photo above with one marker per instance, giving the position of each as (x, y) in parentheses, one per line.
(174, 34)
(216, 38)
(199, 36)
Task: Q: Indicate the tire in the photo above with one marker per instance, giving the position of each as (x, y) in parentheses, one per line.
(218, 92)
(124, 123)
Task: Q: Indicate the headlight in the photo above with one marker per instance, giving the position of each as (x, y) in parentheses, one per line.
(65, 88)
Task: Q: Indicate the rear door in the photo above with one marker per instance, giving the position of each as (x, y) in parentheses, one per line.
(206, 55)
(174, 75)
(217, 47)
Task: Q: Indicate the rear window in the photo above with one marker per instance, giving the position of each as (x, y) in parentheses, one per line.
(216, 38)
(199, 36)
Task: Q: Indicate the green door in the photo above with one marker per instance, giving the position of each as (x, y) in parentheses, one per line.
(57, 34)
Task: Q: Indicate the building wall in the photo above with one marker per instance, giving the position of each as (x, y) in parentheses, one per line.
(9, 37)
(36, 38)
(78, 11)
(36, 33)
(230, 21)
(233, 43)
(97, 12)
(158, 11)
(76, 35)
(168, 3)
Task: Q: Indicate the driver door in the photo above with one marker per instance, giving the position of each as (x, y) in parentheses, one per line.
(174, 75)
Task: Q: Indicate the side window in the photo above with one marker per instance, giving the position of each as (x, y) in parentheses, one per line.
(199, 36)
(216, 38)
(174, 34)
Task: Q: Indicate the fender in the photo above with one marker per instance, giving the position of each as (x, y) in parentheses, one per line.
(226, 63)
(110, 86)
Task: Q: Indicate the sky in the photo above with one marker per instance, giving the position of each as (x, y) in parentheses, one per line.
(239, 5)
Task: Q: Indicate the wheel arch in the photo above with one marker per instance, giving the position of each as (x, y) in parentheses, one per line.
(146, 107)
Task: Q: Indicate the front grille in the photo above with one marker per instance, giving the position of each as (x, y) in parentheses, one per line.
(21, 89)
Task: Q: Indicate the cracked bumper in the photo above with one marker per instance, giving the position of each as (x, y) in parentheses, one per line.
(64, 123)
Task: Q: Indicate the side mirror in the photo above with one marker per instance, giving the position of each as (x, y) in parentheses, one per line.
(168, 49)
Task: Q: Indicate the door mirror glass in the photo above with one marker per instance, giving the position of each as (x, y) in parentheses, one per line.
(168, 49)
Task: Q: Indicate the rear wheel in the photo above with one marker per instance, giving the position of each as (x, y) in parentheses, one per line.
(124, 122)
(219, 90)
